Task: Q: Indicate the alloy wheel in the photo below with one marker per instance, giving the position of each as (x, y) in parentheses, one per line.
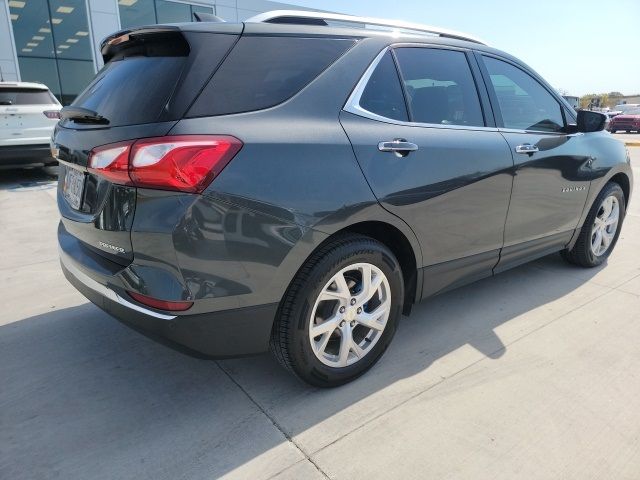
(605, 225)
(350, 315)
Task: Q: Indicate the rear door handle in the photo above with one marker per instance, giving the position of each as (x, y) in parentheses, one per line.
(399, 146)
(526, 148)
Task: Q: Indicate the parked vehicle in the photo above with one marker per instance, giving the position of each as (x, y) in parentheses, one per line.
(292, 184)
(628, 121)
(28, 114)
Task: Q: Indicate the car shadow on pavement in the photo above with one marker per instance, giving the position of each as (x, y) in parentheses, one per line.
(82, 396)
(20, 178)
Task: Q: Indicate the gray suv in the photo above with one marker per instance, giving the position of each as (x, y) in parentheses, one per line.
(298, 181)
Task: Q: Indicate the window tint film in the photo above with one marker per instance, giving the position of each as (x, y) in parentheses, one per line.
(122, 92)
(439, 87)
(25, 96)
(261, 72)
(383, 93)
(524, 103)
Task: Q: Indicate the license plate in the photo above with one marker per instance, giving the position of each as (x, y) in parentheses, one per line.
(73, 186)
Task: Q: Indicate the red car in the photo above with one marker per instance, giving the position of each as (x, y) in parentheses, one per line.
(630, 120)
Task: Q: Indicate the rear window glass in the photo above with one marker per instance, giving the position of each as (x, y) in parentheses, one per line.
(261, 72)
(132, 90)
(25, 96)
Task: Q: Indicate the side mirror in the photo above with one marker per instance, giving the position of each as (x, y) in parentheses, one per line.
(589, 121)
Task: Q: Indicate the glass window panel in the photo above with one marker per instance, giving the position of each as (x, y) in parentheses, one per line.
(75, 75)
(135, 13)
(171, 12)
(25, 96)
(383, 94)
(122, 83)
(440, 87)
(43, 70)
(199, 8)
(261, 72)
(69, 24)
(524, 103)
(32, 30)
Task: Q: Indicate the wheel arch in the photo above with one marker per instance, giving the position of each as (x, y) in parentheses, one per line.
(398, 242)
(625, 183)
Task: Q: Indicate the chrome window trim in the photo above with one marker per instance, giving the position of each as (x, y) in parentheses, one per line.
(535, 132)
(106, 291)
(353, 102)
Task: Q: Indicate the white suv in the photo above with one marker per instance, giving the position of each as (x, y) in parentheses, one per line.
(28, 114)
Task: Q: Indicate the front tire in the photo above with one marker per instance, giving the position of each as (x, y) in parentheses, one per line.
(340, 312)
(601, 228)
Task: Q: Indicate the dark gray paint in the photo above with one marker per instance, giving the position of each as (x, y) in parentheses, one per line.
(307, 171)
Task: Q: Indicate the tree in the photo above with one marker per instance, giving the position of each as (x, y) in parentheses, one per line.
(600, 100)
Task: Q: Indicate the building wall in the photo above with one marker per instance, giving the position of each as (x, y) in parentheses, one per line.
(8, 64)
(628, 99)
(103, 17)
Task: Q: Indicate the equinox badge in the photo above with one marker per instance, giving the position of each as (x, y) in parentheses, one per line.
(111, 247)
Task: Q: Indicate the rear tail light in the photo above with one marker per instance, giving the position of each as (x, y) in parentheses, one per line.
(52, 114)
(160, 304)
(185, 163)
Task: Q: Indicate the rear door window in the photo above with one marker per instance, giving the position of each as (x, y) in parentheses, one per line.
(261, 72)
(524, 103)
(439, 86)
(383, 93)
(25, 96)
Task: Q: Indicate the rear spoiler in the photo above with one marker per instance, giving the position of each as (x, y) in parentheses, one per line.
(116, 42)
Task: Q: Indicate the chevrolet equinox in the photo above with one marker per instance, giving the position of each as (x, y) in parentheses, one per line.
(298, 181)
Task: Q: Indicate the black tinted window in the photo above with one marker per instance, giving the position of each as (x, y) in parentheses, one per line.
(25, 96)
(439, 87)
(261, 72)
(383, 93)
(524, 103)
(133, 90)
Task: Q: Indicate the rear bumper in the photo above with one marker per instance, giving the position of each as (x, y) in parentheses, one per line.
(222, 334)
(26, 155)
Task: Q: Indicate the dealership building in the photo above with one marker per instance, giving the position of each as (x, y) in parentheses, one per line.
(57, 42)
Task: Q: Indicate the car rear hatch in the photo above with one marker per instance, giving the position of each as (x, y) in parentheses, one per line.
(151, 76)
(27, 115)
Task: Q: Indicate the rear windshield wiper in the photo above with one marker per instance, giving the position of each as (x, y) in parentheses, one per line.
(82, 115)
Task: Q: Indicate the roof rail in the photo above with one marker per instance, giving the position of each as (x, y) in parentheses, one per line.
(320, 18)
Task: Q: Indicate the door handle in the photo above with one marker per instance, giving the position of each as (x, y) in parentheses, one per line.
(399, 146)
(526, 148)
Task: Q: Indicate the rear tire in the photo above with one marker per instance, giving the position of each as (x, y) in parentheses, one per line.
(354, 318)
(613, 131)
(599, 233)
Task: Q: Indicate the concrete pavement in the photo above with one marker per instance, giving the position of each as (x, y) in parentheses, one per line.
(629, 139)
(530, 374)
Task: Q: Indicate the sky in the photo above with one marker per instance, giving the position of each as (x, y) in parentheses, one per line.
(581, 46)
